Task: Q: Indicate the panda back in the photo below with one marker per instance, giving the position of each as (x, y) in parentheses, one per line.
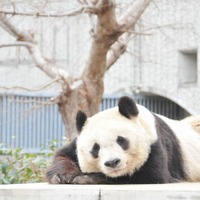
(187, 142)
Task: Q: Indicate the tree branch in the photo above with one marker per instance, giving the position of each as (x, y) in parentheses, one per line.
(126, 23)
(31, 89)
(111, 36)
(117, 49)
(26, 39)
(83, 9)
(42, 103)
(131, 16)
(16, 44)
(105, 34)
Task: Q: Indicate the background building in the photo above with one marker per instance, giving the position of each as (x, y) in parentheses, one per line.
(161, 62)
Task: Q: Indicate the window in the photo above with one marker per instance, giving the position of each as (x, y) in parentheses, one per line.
(188, 66)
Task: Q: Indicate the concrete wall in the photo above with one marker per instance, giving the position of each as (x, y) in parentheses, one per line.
(154, 61)
(43, 191)
(169, 56)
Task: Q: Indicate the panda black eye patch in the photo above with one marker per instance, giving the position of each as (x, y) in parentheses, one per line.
(123, 142)
(95, 150)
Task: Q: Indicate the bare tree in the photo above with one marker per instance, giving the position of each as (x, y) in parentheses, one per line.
(109, 43)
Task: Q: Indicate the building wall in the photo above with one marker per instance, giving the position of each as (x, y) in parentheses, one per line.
(169, 64)
(154, 62)
(65, 42)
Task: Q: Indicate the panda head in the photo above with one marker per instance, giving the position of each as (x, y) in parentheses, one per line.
(115, 142)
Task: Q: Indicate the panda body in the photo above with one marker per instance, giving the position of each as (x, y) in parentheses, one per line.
(173, 145)
(189, 142)
(129, 145)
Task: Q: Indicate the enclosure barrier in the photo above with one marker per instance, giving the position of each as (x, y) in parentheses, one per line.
(44, 191)
(29, 121)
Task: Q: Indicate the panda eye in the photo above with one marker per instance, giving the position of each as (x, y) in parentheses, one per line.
(95, 150)
(123, 142)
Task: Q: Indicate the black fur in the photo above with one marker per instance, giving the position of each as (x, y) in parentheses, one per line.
(65, 165)
(80, 120)
(127, 107)
(170, 145)
(95, 150)
(123, 142)
(69, 150)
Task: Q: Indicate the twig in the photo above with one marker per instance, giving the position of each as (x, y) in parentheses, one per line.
(31, 89)
(83, 9)
(50, 102)
(28, 44)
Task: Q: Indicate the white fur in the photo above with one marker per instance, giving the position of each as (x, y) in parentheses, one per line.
(194, 121)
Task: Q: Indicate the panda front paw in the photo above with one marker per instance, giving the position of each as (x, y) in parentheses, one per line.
(73, 179)
(93, 178)
(84, 179)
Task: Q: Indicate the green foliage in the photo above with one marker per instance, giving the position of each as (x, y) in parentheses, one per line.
(19, 167)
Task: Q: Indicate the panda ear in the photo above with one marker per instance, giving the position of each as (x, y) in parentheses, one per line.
(80, 120)
(127, 107)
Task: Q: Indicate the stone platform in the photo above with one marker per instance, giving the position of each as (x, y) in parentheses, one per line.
(44, 191)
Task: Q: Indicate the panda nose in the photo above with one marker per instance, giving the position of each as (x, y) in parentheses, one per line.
(112, 163)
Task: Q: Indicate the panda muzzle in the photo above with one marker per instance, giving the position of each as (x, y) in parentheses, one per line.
(112, 163)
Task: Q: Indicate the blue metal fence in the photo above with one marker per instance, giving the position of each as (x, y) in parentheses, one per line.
(28, 121)
(25, 121)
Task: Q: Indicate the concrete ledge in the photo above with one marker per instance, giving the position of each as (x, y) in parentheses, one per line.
(44, 191)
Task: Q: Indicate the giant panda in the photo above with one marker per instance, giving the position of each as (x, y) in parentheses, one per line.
(128, 144)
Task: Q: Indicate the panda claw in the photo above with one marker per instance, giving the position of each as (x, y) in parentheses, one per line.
(55, 180)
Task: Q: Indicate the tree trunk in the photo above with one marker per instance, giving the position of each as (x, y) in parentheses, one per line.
(87, 97)
(109, 42)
